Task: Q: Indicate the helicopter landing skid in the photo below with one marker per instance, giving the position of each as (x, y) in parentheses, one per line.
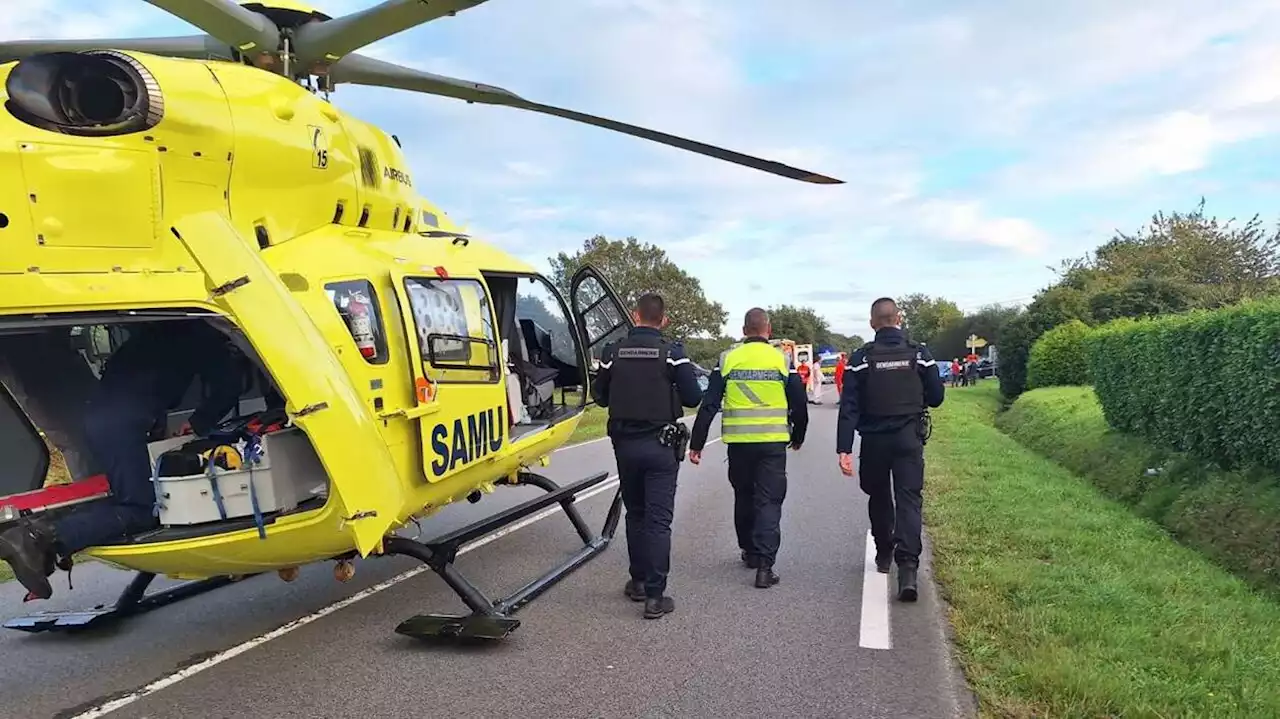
(493, 619)
(133, 600)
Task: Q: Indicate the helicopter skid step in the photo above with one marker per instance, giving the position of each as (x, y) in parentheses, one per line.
(489, 619)
(132, 601)
(474, 626)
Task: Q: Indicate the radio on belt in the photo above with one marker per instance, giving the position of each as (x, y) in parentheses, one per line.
(287, 472)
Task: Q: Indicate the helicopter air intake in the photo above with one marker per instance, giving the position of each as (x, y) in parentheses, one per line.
(97, 93)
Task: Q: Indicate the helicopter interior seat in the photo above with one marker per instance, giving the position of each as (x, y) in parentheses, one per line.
(537, 381)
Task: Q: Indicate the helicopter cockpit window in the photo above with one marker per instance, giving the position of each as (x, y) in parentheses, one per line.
(543, 324)
(454, 322)
(357, 304)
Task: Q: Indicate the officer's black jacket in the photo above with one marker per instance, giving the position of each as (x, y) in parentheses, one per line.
(682, 375)
(151, 371)
(797, 406)
(855, 377)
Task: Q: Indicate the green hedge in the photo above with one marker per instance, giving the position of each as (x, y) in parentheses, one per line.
(1204, 382)
(1233, 518)
(1059, 357)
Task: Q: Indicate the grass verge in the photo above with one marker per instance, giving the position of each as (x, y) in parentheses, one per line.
(1065, 604)
(1231, 517)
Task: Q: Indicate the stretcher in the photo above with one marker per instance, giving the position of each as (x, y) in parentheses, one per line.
(57, 496)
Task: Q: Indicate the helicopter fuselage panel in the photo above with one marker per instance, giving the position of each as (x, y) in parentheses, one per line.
(256, 200)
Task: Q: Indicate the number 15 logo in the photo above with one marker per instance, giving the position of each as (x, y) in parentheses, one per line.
(319, 148)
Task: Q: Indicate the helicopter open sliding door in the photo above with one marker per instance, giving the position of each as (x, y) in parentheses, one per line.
(317, 391)
(457, 360)
(599, 312)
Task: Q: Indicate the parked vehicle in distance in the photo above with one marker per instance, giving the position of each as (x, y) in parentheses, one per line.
(987, 368)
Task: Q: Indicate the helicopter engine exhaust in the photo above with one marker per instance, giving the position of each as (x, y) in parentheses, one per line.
(93, 94)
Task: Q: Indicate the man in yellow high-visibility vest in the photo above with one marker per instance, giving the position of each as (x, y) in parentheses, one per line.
(764, 409)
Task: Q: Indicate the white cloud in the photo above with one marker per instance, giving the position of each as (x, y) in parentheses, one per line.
(965, 222)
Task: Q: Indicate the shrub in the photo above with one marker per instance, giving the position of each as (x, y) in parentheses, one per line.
(1052, 307)
(1059, 357)
(1204, 382)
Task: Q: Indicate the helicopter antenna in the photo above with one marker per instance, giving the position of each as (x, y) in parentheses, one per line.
(300, 43)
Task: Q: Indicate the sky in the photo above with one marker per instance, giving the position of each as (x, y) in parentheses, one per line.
(981, 143)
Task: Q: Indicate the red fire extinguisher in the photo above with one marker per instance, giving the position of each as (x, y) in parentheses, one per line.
(362, 325)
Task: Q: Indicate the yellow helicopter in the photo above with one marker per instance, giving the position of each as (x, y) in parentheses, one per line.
(209, 179)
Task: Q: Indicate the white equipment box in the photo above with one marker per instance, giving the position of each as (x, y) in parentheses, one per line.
(288, 472)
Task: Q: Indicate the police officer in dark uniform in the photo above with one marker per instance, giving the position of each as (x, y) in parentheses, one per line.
(889, 385)
(643, 380)
(142, 380)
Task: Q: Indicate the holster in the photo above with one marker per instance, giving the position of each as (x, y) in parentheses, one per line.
(924, 427)
(675, 436)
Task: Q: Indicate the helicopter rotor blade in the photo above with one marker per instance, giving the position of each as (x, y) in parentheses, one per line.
(189, 46)
(360, 70)
(242, 29)
(332, 39)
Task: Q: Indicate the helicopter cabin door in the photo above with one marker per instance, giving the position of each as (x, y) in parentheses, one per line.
(461, 398)
(318, 396)
(601, 315)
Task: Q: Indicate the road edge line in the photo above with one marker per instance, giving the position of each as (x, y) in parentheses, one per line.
(873, 629)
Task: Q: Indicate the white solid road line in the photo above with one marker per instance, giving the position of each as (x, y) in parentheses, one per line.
(187, 672)
(875, 602)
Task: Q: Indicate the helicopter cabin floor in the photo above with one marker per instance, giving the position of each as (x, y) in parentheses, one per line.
(558, 415)
(34, 384)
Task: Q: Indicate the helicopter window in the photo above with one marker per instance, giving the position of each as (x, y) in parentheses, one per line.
(454, 322)
(357, 304)
(537, 303)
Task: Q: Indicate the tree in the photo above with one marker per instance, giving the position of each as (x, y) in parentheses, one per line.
(706, 352)
(924, 317)
(801, 324)
(634, 268)
(845, 343)
(1146, 297)
(1051, 307)
(1179, 261)
(985, 323)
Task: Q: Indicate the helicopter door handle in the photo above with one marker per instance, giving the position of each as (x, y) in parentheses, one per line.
(421, 410)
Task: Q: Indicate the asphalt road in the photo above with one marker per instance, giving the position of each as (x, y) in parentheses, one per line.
(799, 649)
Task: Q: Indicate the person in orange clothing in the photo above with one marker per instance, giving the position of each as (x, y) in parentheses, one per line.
(802, 367)
(840, 364)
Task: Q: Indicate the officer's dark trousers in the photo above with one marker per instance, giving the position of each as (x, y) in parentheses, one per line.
(893, 505)
(647, 474)
(116, 432)
(758, 475)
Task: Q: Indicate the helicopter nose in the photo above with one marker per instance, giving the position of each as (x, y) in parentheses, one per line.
(98, 94)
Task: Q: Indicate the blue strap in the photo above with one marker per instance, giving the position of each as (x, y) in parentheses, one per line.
(211, 470)
(155, 486)
(252, 455)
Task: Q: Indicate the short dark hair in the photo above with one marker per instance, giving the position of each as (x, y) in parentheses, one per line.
(651, 308)
(884, 310)
(755, 321)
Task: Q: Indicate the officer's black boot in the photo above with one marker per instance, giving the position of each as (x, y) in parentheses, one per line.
(907, 582)
(884, 557)
(655, 608)
(765, 577)
(28, 548)
(750, 560)
(634, 590)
